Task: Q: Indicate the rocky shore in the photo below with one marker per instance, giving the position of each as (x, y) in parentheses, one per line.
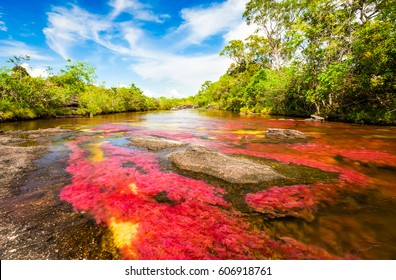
(34, 223)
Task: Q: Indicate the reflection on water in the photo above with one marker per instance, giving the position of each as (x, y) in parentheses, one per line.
(155, 213)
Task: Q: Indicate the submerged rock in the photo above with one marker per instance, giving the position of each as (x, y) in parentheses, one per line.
(163, 198)
(155, 143)
(231, 169)
(285, 134)
(39, 132)
(14, 163)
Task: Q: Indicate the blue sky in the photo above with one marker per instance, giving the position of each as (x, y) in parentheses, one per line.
(166, 47)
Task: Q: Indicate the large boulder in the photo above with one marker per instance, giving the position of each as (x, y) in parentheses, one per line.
(155, 143)
(285, 134)
(231, 169)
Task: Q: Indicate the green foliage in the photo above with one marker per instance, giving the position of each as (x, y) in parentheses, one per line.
(332, 58)
(75, 77)
(71, 91)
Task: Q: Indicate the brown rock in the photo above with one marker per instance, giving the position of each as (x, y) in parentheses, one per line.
(231, 169)
(15, 162)
(285, 134)
(317, 118)
(155, 143)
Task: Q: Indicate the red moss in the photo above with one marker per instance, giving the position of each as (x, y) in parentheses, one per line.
(367, 155)
(299, 201)
(198, 224)
(314, 161)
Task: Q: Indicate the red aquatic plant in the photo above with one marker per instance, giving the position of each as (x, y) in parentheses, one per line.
(367, 155)
(284, 156)
(299, 201)
(155, 214)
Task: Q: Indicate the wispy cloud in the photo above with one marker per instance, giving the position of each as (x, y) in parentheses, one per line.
(3, 26)
(67, 27)
(10, 48)
(160, 65)
(138, 10)
(204, 22)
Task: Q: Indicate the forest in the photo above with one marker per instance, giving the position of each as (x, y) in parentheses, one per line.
(336, 59)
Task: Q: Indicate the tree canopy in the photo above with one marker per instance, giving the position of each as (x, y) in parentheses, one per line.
(327, 57)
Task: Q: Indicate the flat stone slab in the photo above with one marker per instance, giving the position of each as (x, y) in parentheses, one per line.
(39, 132)
(155, 143)
(286, 134)
(231, 169)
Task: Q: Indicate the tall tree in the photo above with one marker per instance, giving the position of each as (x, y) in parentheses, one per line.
(274, 21)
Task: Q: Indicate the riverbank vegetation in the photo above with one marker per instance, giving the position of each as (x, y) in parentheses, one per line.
(71, 92)
(331, 58)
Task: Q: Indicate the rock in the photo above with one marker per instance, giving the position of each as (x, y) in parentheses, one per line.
(285, 134)
(231, 169)
(1, 132)
(40, 131)
(211, 107)
(317, 118)
(12, 137)
(174, 109)
(163, 198)
(14, 162)
(155, 143)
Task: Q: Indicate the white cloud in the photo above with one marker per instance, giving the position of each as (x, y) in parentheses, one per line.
(70, 26)
(135, 8)
(122, 86)
(241, 32)
(203, 22)
(17, 48)
(3, 26)
(159, 64)
(36, 71)
(178, 73)
(169, 92)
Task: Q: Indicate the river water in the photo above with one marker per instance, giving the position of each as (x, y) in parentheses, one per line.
(337, 199)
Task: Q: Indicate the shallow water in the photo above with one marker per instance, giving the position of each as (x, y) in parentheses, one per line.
(337, 200)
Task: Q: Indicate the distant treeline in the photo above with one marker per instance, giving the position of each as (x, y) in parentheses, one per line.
(331, 58)
(69, 92)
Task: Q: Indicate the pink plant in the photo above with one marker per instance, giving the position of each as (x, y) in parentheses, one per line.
(299, 201)
(367, 155)
(190, 220)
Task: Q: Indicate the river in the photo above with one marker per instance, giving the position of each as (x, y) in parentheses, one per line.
(95, 196)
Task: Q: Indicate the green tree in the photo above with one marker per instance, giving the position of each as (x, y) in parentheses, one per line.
(274, 20)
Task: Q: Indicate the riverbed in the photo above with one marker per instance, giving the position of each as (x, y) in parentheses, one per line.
(92, 195)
